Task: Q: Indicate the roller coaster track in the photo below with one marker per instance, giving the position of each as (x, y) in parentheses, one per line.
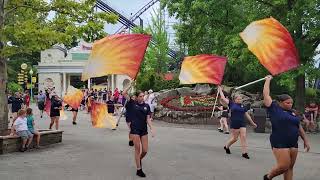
(127, 22)
(138, 14)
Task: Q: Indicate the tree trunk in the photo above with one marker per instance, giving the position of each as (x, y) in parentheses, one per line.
(3, 76)
(300, 93)
(3, 97)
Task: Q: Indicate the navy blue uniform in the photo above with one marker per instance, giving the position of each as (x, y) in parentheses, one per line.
(285, 127)
(53, 111)
(237, 118)
(129, 106)
(138, 116)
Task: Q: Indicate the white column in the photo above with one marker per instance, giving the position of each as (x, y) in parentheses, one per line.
(112, 83)
(89, 83)
(64, 85)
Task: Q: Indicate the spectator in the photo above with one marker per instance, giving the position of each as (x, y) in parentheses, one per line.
(151, 101)
(56, 106)
(104, 95)
(116, 95)
(31, 124)
(110, 105)
(27, 99)
(16, 104)
(21, 128)
(41, 100)
(308, 119)
(313, 108)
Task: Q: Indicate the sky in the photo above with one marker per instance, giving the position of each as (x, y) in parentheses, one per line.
(126, 7)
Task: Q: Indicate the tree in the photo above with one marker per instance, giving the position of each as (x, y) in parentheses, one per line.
(156, 62)
(30, 26)
(213, 26)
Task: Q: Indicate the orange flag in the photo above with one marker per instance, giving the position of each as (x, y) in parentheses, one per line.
(203, 68)
(98, 115)
(73, 97)
(63, 115)
(271, 42)
(116, 54)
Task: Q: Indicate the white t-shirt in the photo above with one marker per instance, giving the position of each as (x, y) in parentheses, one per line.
(21, 124)
(151, 101)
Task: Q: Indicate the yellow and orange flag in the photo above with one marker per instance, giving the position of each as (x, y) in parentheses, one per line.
(271, 42)
(100, 116)
(116, 54)
(63, 115)
(202, 68)
(73, 97)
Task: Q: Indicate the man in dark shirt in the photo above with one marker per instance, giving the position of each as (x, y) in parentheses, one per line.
(16, 102)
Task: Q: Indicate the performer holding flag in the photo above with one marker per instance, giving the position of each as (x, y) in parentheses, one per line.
(273, 45)
(238, 124)
(123, 54)
(139, 119)
(286, 129)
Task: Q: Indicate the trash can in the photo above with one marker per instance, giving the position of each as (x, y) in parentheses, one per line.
(260, 117)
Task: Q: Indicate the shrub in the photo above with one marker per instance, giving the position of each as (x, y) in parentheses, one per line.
(14, 87)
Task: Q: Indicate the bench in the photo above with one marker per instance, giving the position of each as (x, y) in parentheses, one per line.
(10, 144)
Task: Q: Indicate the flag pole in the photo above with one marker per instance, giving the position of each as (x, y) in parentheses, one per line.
(122, 111)
(250, 83)
(215, 103)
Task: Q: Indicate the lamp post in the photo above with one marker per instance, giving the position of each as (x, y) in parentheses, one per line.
(31, 94)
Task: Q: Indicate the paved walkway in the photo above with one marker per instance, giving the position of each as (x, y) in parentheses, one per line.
(178, 152)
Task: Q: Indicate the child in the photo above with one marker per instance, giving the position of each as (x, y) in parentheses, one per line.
(30, 123)
(308, 119)
(21, 128)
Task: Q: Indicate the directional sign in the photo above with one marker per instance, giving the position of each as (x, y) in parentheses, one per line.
(24, 66)
(34, 79)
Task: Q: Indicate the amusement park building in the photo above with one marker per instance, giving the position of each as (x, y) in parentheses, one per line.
(60, 68)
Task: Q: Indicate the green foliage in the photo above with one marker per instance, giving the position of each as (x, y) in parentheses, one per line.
(149, 80)
(14, 87)
(312, 95)
(156, 62)
(34, 25)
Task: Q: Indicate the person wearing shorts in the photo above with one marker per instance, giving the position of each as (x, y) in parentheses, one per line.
(21, 128)
(75, 115)
(286, 129)
(308, 119)
(237, 123)
(128, 116)
(140, 119)
(56, 106)
(41, 102)
(223, 120)
(31, 129)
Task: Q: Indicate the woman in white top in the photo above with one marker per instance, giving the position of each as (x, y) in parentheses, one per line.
(21, 128)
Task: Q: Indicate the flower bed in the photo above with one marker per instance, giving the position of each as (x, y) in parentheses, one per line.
(189, 103)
